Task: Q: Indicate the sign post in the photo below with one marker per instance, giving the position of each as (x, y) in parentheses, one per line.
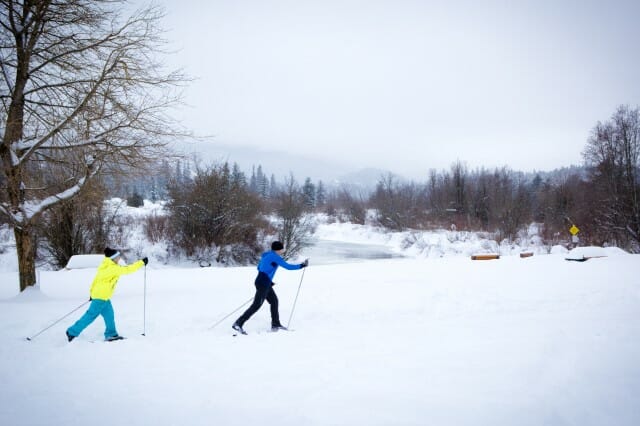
(574, 232)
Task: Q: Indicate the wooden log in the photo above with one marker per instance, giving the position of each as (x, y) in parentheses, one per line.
(486, 256)
(526, 254)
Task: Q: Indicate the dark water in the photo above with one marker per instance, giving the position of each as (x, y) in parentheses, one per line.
(327, 252)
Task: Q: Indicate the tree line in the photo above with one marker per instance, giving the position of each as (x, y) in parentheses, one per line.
(602, 197)
(218, 214)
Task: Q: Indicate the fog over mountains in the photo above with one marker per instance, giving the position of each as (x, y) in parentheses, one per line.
(283, 164)
(334, 174)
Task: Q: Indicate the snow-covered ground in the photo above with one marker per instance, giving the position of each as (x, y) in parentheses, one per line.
(413, 340)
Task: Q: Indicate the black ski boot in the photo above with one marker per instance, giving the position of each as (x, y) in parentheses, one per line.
(114, 338)
(275, 328)
(237, 327)
(69, 337)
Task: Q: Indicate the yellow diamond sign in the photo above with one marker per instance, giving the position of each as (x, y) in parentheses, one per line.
(574, 230)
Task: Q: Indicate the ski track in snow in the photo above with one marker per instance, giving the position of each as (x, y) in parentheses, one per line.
(420, 335)
(445, 341)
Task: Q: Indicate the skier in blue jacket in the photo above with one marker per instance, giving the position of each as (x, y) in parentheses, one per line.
(267, 268)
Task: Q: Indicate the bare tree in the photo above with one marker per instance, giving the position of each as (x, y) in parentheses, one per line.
(480, 199)
(459, 172)
(613, 153)
(295, 226)
(351, 205)
(82, 92)
(398, 206)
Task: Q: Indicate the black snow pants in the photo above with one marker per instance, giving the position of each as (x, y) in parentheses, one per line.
(264, 291)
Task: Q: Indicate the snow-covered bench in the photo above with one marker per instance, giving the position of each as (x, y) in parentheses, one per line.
(581, 254)
(85, 261)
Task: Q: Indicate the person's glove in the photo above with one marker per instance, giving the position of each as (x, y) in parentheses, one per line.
(145, 260)
(305, 263)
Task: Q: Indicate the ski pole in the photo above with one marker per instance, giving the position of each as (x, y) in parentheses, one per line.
(144, 304)
(227, 316)
(56, 322)
(296, 299)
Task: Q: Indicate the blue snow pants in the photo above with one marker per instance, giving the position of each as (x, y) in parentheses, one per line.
(97, 307)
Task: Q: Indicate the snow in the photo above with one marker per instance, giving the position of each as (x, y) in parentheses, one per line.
(412, 340)
(580, 253)
(8, 256)
(84, 261)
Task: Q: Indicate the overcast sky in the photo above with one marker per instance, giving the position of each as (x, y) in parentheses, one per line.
(407, 85)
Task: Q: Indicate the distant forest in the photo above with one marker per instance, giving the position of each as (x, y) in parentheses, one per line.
(219, 212)
(601, 197)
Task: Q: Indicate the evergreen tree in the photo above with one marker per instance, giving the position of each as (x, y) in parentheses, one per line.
(309, 194)
(321, 195)
(262, 183)
(253, 181)
(273, 187)
(238, 177)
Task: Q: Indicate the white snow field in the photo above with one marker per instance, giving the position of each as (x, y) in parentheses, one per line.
(411, 341)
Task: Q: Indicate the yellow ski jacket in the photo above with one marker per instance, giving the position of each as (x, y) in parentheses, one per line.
(107, 277)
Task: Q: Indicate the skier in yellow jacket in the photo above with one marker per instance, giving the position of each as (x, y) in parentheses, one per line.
(102, 289)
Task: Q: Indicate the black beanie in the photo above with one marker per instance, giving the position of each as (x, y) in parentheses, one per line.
(109, 252)
(276, 245)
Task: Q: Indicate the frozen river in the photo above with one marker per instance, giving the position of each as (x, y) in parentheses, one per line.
(324, 252)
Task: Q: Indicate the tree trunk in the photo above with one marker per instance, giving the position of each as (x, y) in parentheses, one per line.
(26, 248)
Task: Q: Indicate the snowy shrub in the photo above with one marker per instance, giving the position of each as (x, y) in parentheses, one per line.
(414, 240)
(215, 209)
(156, 227)
(489, 246)
(349, 208)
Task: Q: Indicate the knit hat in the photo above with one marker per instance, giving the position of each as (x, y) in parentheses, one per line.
(277, 245)
(111, 253)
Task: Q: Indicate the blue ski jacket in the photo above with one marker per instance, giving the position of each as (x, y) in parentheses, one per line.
(270, 261)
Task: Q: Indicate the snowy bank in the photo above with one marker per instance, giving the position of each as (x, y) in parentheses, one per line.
(444, 341)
